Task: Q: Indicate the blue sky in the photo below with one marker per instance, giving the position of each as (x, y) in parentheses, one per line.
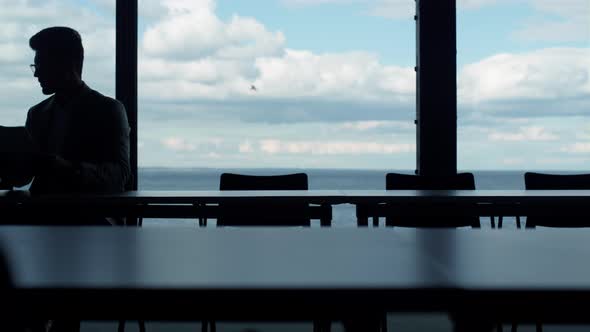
(335, 82)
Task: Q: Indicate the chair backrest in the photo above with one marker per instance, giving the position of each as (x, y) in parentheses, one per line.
(230, 181)
(460, 181)
(279, 213)
(541, 181)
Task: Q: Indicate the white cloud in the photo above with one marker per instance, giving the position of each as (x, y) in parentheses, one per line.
(374, 124)
(342, 76)
(563, 163)
(177, 36)
(213, 155)
(275, 146)
(394, 9)
(577, 148)
(533, 133)
(178, 144)
(246, 147)
(552, 73)
(513, 161)
(11, 52)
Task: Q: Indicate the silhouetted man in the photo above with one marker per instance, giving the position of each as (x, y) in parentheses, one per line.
(83, 136)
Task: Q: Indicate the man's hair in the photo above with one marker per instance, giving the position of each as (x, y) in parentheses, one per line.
(63, 43)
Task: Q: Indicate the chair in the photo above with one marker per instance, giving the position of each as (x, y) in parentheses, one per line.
(279, 213)
(396, 181)
(540, 181)
(460, 181)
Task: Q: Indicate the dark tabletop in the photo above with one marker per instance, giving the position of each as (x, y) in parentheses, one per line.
(186, 272)
(191, 258)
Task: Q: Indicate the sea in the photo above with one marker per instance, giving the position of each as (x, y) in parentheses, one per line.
(319, 179)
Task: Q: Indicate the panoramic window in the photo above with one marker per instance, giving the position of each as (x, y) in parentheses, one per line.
(523, 88)
(275, 86)
(19, 20)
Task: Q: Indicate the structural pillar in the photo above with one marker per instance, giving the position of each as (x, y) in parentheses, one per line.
(126, 72)
(436, 93)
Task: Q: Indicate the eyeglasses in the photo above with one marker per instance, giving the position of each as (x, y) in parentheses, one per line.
(34, 67)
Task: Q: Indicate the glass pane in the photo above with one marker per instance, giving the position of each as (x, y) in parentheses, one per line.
(19, 20)
(275, 86)
(524, 88)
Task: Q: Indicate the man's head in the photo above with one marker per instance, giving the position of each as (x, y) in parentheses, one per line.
(59, 56)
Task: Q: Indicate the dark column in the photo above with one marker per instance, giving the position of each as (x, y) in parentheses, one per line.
(436, 80)
(127, 71)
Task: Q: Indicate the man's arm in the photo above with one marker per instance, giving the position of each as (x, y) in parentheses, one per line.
(112, 174)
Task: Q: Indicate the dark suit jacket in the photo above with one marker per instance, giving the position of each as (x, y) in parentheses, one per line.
(96, 140)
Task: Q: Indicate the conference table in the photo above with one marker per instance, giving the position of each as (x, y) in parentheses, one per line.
(310, 196)
(205, 204)
(296, 273)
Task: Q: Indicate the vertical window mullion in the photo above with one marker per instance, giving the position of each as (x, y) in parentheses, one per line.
(436, 87)
(126, 72)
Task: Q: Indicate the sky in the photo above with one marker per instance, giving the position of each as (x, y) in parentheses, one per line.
(334, 79)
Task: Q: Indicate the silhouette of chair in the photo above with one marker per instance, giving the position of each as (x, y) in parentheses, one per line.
(540, 181)
(396, 181)
(276, 213)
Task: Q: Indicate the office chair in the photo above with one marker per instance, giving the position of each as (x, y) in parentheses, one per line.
(540, 181)
(460, 181)
(267, 213)
(248, 213)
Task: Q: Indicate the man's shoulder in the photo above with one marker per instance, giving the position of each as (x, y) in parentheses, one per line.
(104, 109)
(103, 102)
(42, 105)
